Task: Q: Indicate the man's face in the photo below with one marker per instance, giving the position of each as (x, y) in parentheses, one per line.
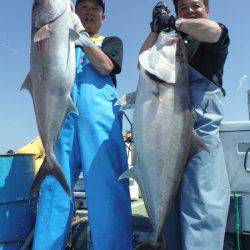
(91, 15)
(192, 9)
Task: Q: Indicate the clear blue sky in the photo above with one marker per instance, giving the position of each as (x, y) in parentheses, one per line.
(129, 20)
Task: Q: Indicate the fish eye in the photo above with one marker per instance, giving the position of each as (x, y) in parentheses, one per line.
(179, 55)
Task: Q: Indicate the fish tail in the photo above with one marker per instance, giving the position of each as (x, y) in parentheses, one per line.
(44, 171)
(57, 172)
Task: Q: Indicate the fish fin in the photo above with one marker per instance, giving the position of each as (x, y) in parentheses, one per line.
(72, 107)
(56, 171)
(156, 91)
(73, 35)
(27, 83)
(127, 101)
(197, 144)
(130, 173)
(40, 176)
(43, 33)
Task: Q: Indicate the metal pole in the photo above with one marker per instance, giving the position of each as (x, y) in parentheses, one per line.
(248, 102)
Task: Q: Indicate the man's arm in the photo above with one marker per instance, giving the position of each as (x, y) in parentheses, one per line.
(149, 42)
(204, 30)
(159, 9)
(106, 60)
(99, 60)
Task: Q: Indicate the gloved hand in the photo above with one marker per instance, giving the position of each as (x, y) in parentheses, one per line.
(160, 8)
(84, 40)
(161, 20)
(164, 22)
(77, 23)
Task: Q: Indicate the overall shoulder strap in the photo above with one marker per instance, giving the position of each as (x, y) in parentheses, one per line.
(98, 40)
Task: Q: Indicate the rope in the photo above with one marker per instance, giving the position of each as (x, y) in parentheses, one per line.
(127, 119)
(237, 219)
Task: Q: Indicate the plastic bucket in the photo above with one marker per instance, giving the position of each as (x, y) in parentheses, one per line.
(17, 214)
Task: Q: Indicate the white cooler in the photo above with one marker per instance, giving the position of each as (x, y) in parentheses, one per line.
(235, 137)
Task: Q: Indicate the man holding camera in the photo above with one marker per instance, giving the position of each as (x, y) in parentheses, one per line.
(199, 215)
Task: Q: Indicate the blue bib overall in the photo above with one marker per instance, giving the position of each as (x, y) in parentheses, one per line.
(199, 215)
(91, 142)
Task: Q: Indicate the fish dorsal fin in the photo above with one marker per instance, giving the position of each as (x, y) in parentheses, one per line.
(27, 83)
(43, 33)
(127, 101)
(73, 35)
(197, 144)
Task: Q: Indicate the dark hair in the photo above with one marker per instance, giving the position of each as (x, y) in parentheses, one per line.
(100, 2)
(206, 3)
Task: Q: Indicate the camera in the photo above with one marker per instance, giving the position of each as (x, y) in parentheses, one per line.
(166, 22)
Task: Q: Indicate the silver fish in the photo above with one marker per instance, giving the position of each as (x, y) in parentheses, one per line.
(52, 74)
(162, 128)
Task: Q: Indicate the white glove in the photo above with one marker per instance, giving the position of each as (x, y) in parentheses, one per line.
(84, 40)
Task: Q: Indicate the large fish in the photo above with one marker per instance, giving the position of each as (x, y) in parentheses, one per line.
(162, 128)
(52, 74)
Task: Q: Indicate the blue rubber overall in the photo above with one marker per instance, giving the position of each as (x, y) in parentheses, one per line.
(91, 142)
(199, 215)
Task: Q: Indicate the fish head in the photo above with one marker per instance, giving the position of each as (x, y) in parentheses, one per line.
(172, 54)
(166, 59)
(46, 11)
